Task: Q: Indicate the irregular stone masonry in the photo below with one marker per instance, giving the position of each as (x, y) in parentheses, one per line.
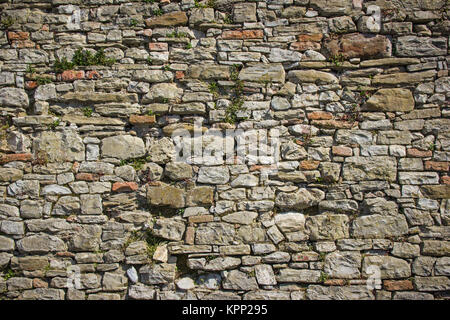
(93, 205)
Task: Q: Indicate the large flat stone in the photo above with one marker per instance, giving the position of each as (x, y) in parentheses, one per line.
(215, 233)
(263, 72)
(370, 168)
(41, 243)
(208, 72)
(379, 226)
(123, 147)
(328, 226)
(10, 174)
(353, 292)
(99, 97)
(403, 78)
(177, 18)
(301, 199)
(390, 267)
(166, 196)
(96, 121)
(332, 7)
(391, 100)
(413, 46)
(319, 77)
(13, 97)
(213, 175)
(59, 146)
(358, 45)
(170, 229)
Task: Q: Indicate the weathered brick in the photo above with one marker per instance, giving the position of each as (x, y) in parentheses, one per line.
(71, 75)
(398, 285)
(416, 153)
(437, 165)
(124, 186)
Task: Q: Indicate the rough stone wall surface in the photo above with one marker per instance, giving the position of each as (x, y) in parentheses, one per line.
(94, 204)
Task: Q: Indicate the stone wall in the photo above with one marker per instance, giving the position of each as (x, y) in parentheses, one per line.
(95, 206)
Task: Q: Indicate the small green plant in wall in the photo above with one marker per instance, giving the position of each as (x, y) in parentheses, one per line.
(7, 22)
(54, 124)
(157, 12)
(8, 274)
(198, 4)
(323, 277)
(228, 19)
(63, 64)
(337, 59)
(214, 89)
(87, 112)
(175, 34)
(153, 243)
(133, 23)
(87, 58)
(83, 58)
(43, 80)
(30, 69)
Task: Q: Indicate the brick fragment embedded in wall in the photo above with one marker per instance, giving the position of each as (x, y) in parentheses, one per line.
(92, 174)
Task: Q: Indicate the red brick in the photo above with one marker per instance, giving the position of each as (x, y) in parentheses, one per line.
(245, 34)
(15, 157)
(39, 283)
(93, 74)
(437, 165)
(335, 282)
(302, 257)
(31, 85)
(398, 285)
(291, 122)
(75, 167)
(148, 32)
(319, 115)
(86, 176)
(65, 254)
(252, 34)
(416, 153)
(305, 45)
(179, 75)
(317, 37)
(158, 46)
(189, 236)
(72, 75)
(124, 186)
(358, 45)
(71, 218)
(232, 34)
(18, 35)
(140, 120)
(442, 73)
(309, 164)
(445, 179)
(342, 151)
(20, 44)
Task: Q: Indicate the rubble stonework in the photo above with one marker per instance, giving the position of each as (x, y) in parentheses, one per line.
(94, 204)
